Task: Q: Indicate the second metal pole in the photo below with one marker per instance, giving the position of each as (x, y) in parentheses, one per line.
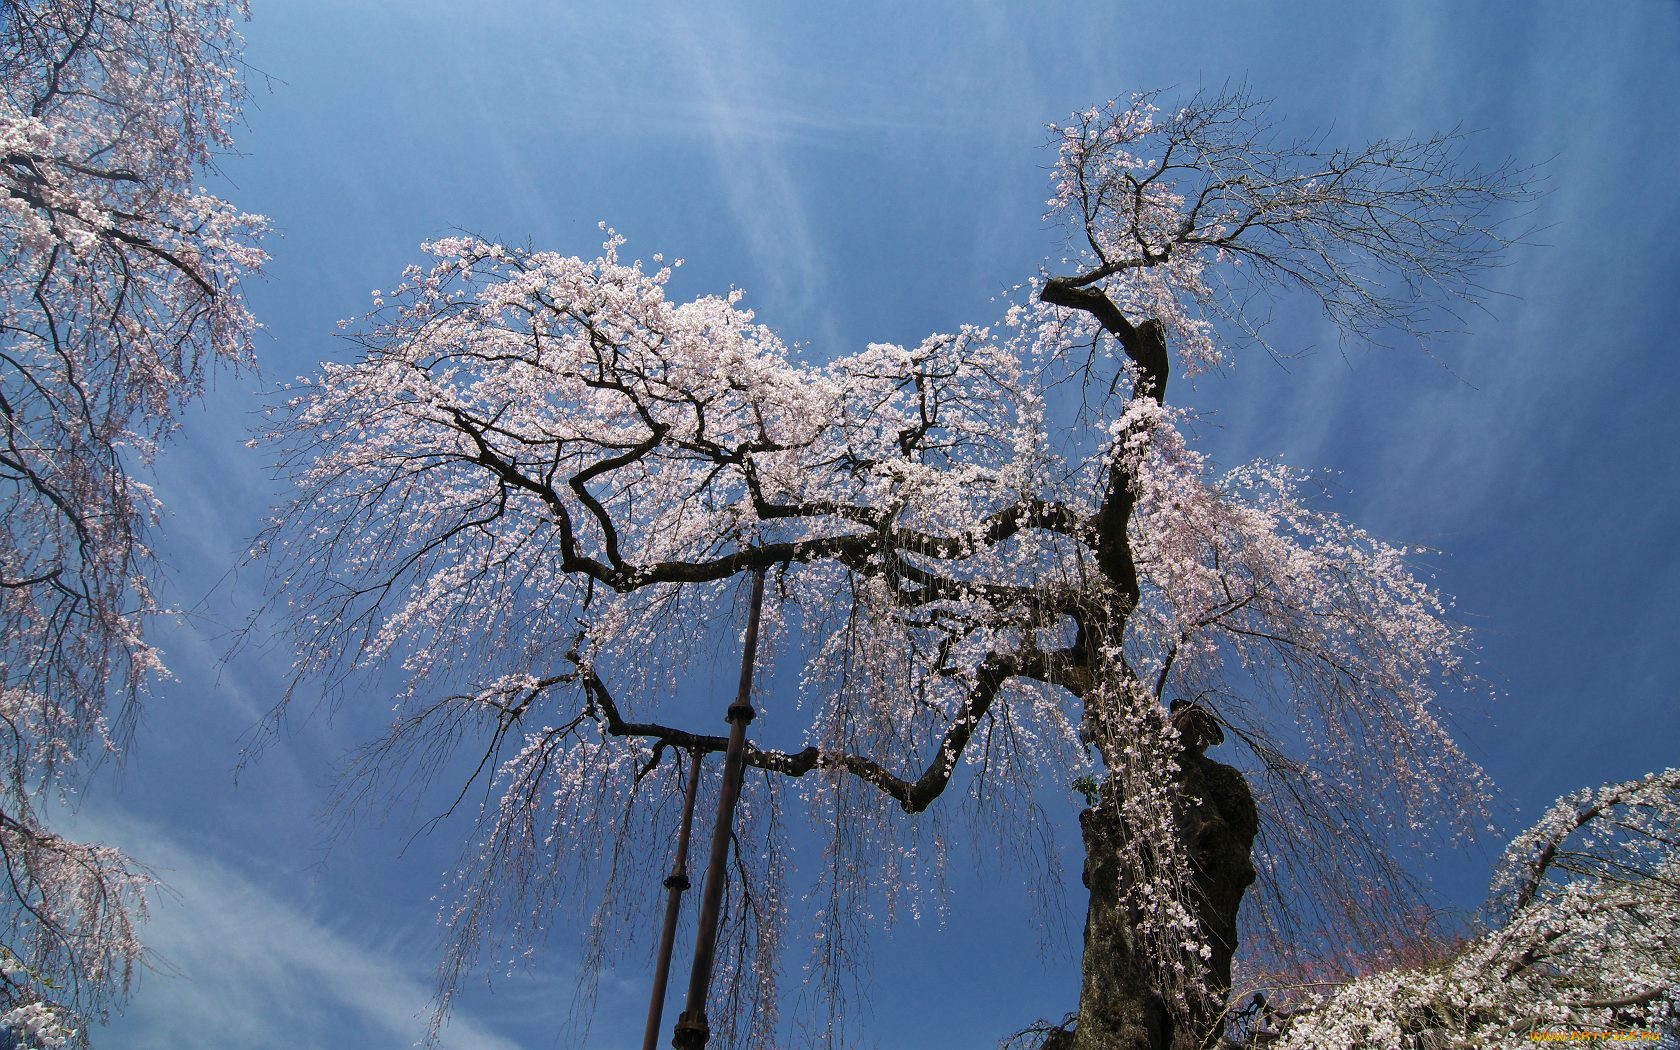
(675, 884)
(693, 1031)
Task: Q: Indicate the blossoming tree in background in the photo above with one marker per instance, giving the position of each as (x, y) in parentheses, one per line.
(1584, 937)
(118, 286)
(997, 565)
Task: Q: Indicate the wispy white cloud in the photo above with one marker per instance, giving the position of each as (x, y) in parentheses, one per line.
(242, 967)
(748, 137)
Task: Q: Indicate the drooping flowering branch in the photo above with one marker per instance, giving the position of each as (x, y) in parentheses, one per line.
(119, 288)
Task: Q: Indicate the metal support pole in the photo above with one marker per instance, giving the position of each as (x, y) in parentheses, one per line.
(693, 1031)
(675, 884)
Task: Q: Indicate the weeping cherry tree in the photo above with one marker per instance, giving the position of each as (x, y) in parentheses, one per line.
(997, 565)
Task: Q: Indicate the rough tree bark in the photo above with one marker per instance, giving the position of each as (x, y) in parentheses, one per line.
(1119, 1007)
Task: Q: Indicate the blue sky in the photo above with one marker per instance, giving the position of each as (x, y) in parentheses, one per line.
(877, 172)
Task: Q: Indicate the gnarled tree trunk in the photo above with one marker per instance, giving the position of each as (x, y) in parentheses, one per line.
(1120, 1007)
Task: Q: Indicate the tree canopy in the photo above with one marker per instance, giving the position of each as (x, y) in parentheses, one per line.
(996, 559)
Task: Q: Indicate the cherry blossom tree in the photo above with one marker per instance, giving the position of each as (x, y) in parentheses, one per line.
(997, 565)
(1584, 937)
(119, 285)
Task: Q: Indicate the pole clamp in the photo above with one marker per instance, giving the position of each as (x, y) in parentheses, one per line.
(741, 711)
(692, 1032)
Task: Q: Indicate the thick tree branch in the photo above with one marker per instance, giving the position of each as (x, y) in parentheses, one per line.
(1146, 345)
(913, 795)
